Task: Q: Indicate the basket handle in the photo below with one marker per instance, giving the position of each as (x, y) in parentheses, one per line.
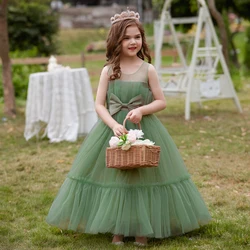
(124, 123)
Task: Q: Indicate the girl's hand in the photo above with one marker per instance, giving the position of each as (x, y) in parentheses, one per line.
(134, 115)
(119, 130)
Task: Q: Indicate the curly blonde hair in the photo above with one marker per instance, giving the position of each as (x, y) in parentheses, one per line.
(114, 45)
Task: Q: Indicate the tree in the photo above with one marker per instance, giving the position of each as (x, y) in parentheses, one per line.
(9, 96)
(222, 28)
(32, 25)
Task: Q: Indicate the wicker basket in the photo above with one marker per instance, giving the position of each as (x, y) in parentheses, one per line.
(138, 156)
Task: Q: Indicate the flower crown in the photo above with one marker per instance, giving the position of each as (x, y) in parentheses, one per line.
(125, 15)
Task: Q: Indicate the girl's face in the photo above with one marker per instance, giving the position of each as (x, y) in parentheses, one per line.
(132, 42)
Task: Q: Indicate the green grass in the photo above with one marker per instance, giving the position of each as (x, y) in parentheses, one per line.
(74, 41)
(215, 145)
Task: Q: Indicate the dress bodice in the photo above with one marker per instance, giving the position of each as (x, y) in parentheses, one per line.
(131, 90)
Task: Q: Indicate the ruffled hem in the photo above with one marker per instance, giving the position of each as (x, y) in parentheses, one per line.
(157, 211)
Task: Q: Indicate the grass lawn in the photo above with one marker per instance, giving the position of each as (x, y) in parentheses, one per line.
(215, 145)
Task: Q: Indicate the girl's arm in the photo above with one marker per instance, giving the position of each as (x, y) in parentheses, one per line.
(100, 108)
(159, 102)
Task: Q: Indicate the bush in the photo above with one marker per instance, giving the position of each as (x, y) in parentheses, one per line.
(247, 51)
(32, 25)
(20, 73)
(20, 78)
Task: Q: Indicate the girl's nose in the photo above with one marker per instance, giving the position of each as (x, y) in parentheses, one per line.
(132, 40)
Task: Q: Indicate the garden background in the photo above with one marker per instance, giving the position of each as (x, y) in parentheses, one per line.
(215, 145)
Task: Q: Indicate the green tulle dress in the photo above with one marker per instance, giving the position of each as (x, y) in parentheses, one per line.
(154, 202)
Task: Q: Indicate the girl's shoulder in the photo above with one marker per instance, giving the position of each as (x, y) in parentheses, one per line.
(148, 68)
(106, 70)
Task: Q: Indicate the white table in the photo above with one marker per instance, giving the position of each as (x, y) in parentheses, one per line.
(63, 100)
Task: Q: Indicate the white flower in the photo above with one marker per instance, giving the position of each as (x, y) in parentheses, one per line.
(131, 137)
(138, 133)
(148, 142)
(126, 146)
(138, 142)
(113, 142)
(126, 140)
(143, 142)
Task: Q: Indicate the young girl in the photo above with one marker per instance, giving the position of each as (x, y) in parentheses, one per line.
(144, 203)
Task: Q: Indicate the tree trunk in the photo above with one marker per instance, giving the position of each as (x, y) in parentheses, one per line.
(9, 93)
(223, 32)
(235, 59)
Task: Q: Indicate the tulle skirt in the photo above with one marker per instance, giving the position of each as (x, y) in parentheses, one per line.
(154, 202)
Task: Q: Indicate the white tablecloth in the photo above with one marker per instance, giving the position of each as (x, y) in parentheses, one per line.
(63, 100)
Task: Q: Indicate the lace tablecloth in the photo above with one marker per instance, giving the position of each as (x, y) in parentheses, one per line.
(63, 100)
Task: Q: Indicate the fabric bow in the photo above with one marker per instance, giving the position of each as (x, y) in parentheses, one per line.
(115, 104)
